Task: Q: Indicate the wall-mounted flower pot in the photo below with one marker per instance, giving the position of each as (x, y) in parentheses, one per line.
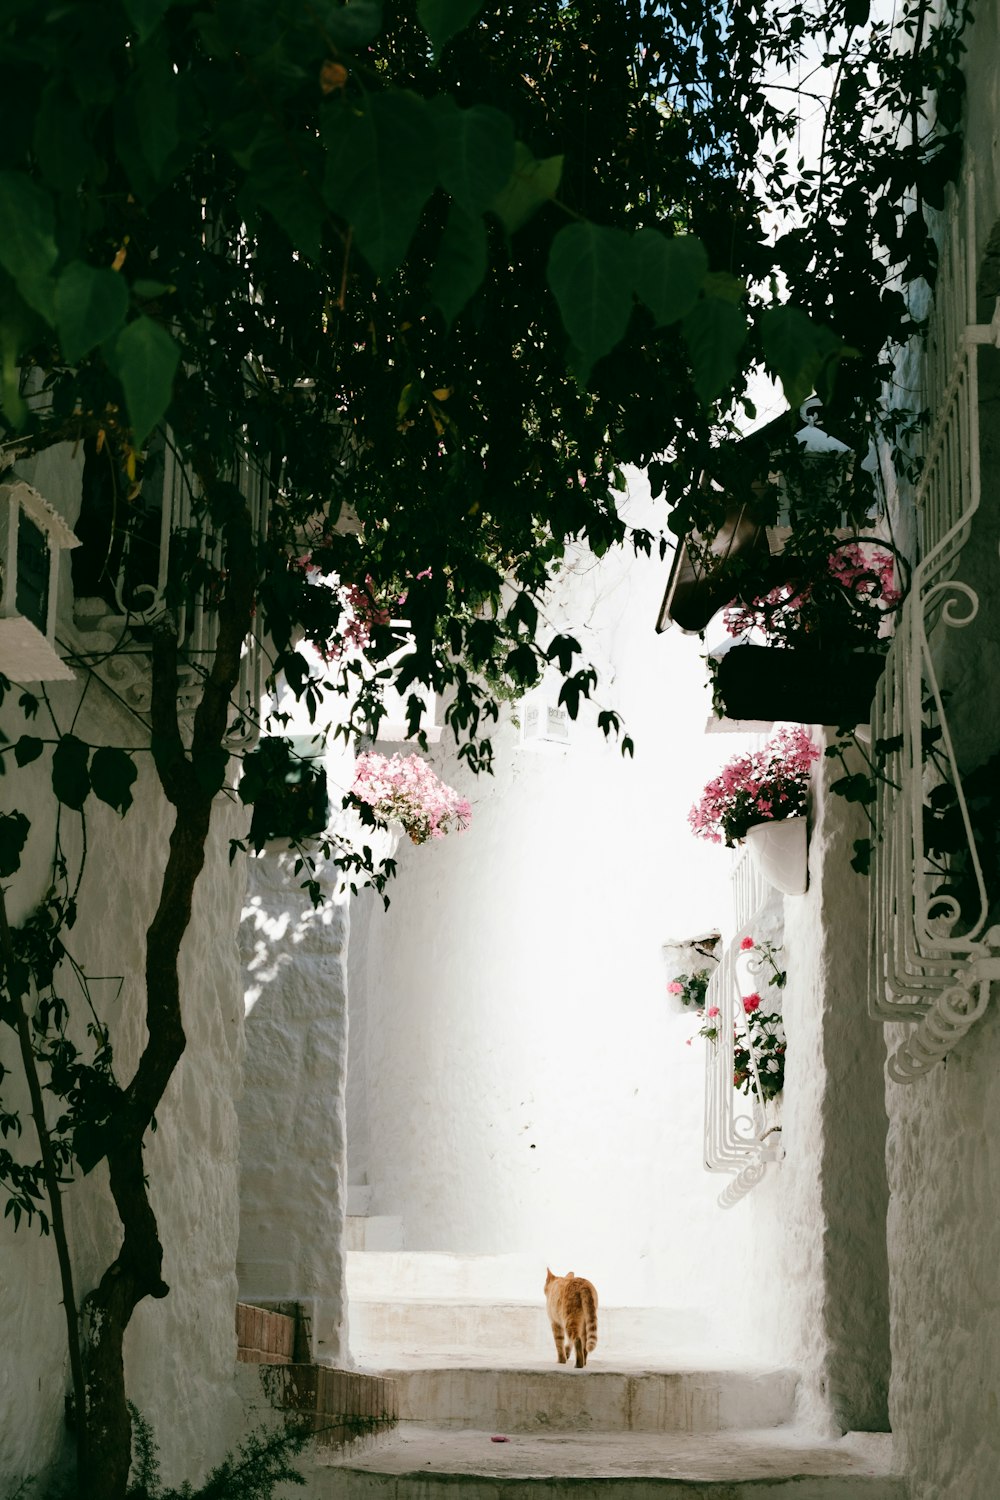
(803, 686)
(781, 853)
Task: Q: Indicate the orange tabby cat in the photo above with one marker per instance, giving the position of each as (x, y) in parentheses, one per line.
(572, 1309)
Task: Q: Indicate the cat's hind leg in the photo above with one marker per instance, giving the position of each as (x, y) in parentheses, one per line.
(557, 1334)
(581, 1351)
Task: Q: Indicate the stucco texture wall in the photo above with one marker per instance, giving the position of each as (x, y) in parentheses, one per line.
(180, 1351)
(820, 1219)
(292, 1115)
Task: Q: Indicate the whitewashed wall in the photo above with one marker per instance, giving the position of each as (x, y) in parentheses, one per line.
(819, 1219)
(523, 1083)
(180, 1351)
(293, 1154)
(292, 1126)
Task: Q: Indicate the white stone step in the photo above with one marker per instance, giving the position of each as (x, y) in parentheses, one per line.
(368, 1232)
(417, 1463)
(418, 1328)
(385, 1275)
(560, 1398)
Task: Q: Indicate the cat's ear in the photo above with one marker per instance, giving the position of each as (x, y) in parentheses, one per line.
(548, 1276)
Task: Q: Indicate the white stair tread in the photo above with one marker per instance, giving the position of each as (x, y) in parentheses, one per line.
(436, 1330)
(560, 1398)
(862, 1462)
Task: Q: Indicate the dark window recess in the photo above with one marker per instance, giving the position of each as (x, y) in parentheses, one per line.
(32, 599)
(288, 793)
(119, 538)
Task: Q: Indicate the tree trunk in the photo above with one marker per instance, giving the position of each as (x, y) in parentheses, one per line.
(136, 1271)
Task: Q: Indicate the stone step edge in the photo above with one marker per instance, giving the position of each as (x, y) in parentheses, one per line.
(633, 1371)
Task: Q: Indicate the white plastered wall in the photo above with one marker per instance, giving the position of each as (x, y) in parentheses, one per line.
(293, 1190)
(819, 1219)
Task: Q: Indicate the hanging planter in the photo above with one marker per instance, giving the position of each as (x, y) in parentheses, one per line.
(803, 685)
(765, 785)
(780, 852)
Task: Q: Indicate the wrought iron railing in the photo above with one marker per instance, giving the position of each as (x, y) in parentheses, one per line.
(741, 1136)
(931, 962)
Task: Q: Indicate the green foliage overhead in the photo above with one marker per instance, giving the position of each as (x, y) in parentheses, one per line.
(447, 263)
(90, 306)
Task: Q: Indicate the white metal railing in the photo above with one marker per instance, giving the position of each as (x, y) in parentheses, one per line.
(740, 1135)
(931, 963)
(113, 640)
(750, 891)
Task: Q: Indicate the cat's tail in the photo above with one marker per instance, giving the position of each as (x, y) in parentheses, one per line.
(592, 1325)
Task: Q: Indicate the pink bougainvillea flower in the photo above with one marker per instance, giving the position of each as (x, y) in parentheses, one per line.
(673, 988)
(751, 1003)
(746, 944)
(406, 788)
(864, 575)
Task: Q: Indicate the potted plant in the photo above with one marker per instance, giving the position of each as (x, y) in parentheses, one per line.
(689, 989)
(760, 797)
(758, 1029)
(811, 648)
(775, 531)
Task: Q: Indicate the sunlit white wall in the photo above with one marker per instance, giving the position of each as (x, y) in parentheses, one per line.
(520, 1080)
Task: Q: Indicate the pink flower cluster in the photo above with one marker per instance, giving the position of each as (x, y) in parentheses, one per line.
(765, 785)
(859, 591)
(869, 576)
(776, 615)
(360, 613)
(405, 788)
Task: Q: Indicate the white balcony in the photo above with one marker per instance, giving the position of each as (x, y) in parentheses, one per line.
(742, 1134)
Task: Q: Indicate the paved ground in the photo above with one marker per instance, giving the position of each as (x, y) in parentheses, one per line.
(768, 1454)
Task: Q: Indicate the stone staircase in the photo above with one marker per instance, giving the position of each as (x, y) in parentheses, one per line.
(486, 1413)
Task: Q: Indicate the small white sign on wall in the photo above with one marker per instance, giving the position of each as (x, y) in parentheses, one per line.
(544, 721)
